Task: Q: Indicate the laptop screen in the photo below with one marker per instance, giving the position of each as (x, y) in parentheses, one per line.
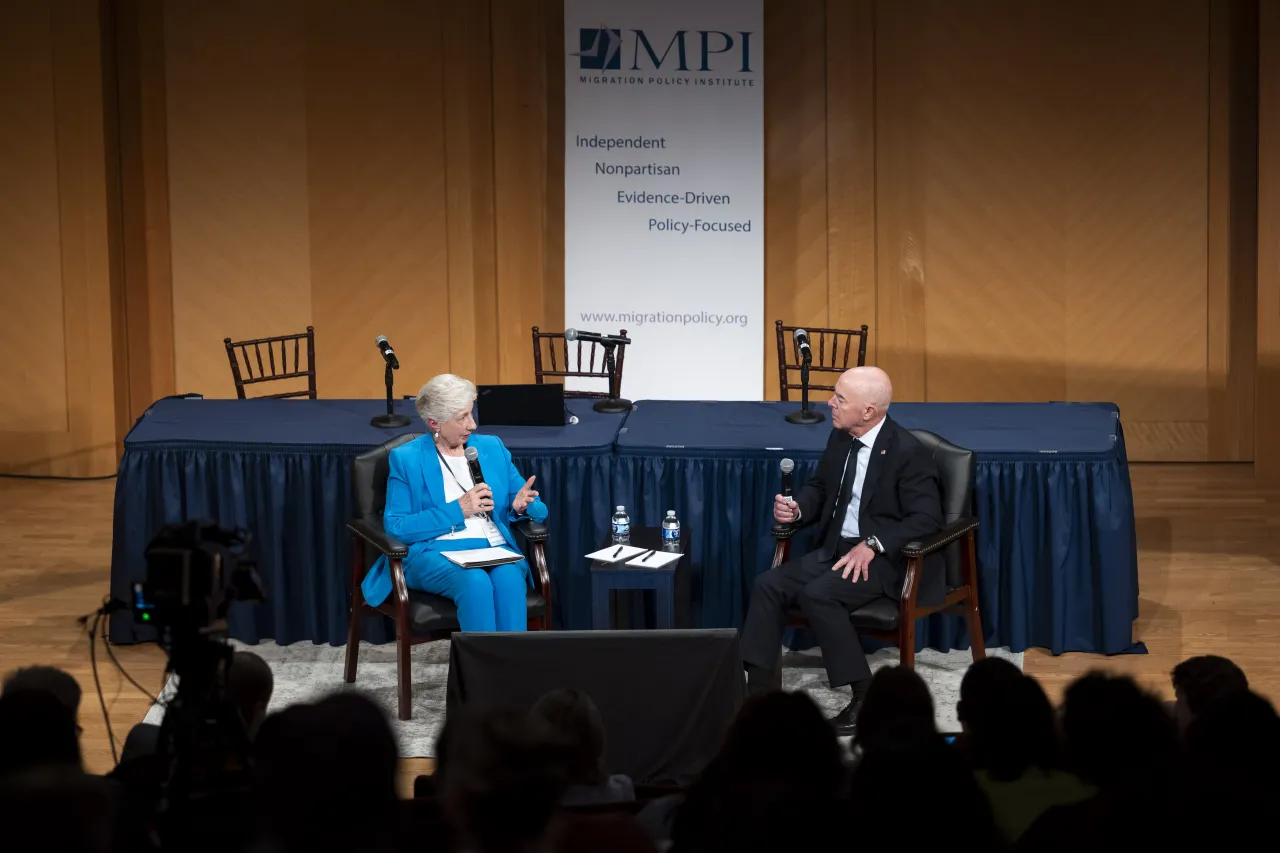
(520, 405)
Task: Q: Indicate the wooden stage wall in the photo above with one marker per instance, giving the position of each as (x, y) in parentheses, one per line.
(1047, 201)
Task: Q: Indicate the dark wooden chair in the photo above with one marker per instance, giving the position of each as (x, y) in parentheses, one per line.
(895, 622)
(270, 371)
(572, 366)
(828, 356)
(420, 617)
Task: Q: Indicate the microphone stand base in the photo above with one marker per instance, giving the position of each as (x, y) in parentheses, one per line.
(390, 421)
(805, 417)
(612, 406)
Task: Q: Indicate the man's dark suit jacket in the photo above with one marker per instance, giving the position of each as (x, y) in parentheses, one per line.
(901, 501)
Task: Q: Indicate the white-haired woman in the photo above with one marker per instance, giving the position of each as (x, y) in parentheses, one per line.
(434, 506)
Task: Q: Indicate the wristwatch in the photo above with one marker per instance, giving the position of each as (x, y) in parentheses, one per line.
(874, 544)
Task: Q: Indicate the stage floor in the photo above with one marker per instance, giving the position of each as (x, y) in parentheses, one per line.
(1209, 569)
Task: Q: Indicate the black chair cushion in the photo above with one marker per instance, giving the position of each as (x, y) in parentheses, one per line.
(429, 613)
(879, 615)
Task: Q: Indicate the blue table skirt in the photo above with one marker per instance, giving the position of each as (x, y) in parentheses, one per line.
(300, 536)
(295, 499)
(1057, 550)
(1056, 547)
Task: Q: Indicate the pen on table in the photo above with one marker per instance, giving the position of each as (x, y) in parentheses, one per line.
(646, 557)
(617, 552)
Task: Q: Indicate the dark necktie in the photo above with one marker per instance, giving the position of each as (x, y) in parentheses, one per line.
(842, 502)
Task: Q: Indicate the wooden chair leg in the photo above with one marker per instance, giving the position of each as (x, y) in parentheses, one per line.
(972, 617)
(356, 618)
(404, 676)
(907, 644)
(404, 642)
(973, 621)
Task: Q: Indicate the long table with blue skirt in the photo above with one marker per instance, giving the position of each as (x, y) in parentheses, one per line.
(281, 469)
(1056, 546)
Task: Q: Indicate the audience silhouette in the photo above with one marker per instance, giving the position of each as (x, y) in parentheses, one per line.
(1113, 769)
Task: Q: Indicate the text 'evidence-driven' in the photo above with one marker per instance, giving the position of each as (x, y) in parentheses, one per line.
(641, 197)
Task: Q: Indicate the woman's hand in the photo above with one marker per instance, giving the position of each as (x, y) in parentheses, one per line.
(523, 496)
(476, 501)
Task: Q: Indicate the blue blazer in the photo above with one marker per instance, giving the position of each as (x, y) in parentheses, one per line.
(416, 512)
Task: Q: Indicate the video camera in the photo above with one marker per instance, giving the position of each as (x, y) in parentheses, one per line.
(195, 570)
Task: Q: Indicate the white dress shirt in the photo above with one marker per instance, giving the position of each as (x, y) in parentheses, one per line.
(849, 530)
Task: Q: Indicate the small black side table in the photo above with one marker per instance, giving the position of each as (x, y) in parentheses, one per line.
(608, 577)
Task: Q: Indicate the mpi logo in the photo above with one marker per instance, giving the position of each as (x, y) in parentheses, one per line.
(599, 49)
(607, 49)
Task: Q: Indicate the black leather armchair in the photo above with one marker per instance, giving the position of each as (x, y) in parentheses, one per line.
(419, 616)
(895, 622)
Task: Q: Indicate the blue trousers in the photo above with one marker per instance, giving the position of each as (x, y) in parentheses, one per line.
(487, 599)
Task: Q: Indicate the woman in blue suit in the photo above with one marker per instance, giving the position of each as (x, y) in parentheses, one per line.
(434, 506)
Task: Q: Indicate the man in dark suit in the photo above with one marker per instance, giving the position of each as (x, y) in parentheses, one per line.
(876, 489)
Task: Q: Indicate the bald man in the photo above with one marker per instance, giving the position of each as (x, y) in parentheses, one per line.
(876, 489)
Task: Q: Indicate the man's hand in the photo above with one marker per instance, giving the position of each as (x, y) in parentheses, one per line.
(476, 501)
(785, 510)
(523, 496)
(857, 561)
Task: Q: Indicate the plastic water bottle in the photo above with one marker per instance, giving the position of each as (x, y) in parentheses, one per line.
(621, 525)
(671, 532)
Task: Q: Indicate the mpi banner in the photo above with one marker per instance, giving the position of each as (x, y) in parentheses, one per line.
(664, 191)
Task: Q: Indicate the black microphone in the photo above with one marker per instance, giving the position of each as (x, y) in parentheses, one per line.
(594, 338)
(387, 352)
(801, 339)
(473, 463)
(786, 466)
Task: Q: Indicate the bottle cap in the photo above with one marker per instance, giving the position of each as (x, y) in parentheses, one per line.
(671, 513)
(621, 509)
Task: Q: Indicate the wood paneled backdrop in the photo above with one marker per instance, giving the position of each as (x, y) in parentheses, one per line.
(1025, 201)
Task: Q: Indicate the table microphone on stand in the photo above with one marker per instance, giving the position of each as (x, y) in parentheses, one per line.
(805, 416)
(390, 420)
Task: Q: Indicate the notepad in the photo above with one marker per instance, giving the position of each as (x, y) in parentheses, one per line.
(483, 558)
(657, 561)
(613, 555)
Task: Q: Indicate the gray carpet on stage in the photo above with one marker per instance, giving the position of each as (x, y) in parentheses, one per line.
(305, 672)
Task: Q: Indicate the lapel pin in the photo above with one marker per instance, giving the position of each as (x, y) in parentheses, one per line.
(883, 452)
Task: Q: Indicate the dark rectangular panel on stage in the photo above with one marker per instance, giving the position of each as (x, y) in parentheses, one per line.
(667, 697)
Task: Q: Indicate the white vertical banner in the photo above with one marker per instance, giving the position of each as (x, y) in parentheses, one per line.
(664, 191)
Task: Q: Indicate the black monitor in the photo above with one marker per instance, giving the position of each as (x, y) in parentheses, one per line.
(520, 405)
(666, 697)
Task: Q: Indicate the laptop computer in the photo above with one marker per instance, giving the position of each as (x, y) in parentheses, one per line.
(521, 405)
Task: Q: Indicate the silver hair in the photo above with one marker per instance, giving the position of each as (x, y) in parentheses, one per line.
(444, 396)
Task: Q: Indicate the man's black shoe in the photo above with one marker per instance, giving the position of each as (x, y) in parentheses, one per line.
(846, 722)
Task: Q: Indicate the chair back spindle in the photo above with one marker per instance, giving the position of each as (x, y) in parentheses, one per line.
(269, 370)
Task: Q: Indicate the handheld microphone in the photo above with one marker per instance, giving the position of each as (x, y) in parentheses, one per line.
(473, 463)
(801, 339)
(786, 466)
(594, 338)
(387, 352)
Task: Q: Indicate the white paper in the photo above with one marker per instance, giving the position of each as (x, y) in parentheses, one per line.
(472, 556)
(657, 561)
(606, 555)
